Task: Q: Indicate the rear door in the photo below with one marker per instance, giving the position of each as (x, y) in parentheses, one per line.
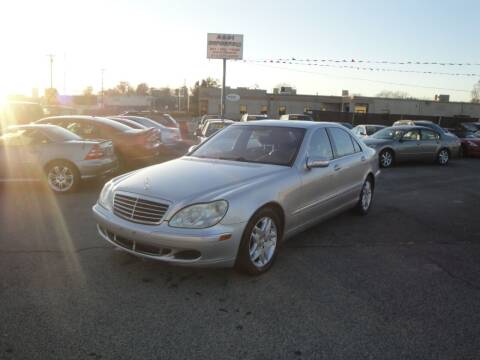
(20, 155)
(349, 166)
(430, 143)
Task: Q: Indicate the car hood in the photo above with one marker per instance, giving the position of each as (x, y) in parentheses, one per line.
(189, 179)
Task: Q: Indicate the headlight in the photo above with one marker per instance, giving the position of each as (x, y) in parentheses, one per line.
(472, 144)
(106, 196)
(200, 216)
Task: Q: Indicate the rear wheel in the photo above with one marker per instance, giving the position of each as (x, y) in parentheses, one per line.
(386, 158)
(62, 177)
(366, 197)
(259, 246)
(443, 157)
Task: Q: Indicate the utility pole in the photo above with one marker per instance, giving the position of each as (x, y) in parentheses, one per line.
(51, 69)
(101, 87)
(222, 107)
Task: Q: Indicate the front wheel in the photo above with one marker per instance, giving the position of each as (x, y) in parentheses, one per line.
(443, 157)
(386, 158)
(62, 177)
(259, 246)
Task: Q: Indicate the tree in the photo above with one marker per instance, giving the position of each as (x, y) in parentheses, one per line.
(88, 91)
(394, 94)
(124, 88)
(142, 89)
(476, 93)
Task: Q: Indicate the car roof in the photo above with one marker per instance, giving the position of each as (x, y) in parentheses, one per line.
(291, 124)
(33, 126)
(216, 121)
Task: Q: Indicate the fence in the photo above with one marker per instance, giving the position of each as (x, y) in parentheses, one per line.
(385, 119)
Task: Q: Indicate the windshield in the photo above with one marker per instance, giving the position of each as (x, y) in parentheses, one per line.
(474, 135)
(471, 126)
(256, 144)
(388, 134)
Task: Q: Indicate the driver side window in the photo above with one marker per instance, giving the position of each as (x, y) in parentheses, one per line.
(319, 146)
(412, 135)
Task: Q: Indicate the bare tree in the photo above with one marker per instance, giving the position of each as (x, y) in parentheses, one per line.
(394, 94)
(142, 89)
(476, 93)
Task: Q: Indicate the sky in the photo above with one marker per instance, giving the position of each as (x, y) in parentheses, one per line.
(163, 43)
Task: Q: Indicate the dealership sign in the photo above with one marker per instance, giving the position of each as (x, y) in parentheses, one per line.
(225, 46)
(233, 97)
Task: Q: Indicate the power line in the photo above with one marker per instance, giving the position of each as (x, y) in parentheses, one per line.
(362, 68)
(361, 79)
(361, 61)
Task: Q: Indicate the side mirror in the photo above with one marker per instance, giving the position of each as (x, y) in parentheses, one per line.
(192, 148)
(313, 163)
(198, 132)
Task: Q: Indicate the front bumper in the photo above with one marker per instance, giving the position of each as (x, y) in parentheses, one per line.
(192, 247)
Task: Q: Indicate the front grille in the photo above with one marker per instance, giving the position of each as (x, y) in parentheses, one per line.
(138, 210)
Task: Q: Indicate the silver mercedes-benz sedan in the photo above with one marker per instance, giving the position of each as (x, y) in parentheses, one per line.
(48, 152)
(411, 142)
(231, 200)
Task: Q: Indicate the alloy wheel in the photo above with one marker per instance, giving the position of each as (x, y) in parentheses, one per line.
(60, 178)
(443, 157)
(386, 159)
(263, 242)
(366, 199)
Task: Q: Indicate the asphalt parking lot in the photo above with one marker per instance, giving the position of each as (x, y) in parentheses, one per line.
(401, 283)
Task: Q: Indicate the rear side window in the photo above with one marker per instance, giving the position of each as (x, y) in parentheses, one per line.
(342, 142)
(320, 147)
(429, 135)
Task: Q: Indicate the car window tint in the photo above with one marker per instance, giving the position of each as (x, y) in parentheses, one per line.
(413, 135)
(356, 146)
(429, 135)
(319, 146)
(342, 142)
(371, 130)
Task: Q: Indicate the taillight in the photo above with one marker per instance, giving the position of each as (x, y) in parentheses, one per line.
(96, 152)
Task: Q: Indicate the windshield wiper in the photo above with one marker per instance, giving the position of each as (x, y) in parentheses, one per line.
(232, 159)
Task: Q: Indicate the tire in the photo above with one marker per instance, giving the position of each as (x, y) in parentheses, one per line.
(258, 251)
(386, 158)
(62, 177)
(366, 197)
(463, 152)
(443, 157)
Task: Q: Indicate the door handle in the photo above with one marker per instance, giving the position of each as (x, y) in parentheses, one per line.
(363, 158)
(337, 167)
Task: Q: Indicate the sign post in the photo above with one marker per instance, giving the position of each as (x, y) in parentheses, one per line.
(224, 46)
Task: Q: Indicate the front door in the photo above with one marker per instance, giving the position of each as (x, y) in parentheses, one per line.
(318, 184)
(408, 147)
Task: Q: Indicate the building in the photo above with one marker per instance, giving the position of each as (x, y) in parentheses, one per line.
(256, 101)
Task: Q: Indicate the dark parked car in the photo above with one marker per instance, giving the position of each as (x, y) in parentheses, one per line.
(406, 143)
(470, 142)
(51, 153)
(132, 146)
(19, 113)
